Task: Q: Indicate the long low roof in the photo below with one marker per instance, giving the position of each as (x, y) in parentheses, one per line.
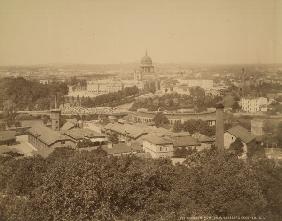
(47, 135)
(130, 130)
(79, 133)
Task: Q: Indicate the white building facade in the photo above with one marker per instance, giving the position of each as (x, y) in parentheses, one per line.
(158, 148)
(253, 105)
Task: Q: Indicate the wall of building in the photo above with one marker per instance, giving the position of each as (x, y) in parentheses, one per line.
(36, 142)
(253, 105)
(158, 151)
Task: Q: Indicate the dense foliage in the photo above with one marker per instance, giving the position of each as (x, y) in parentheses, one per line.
(237, 147)
(160, 119)
(197, 100)
(30, 95)
(78, 185)
(194, 126)
(123, 96)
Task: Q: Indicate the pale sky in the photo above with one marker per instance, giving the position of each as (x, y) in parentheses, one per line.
(114, 31)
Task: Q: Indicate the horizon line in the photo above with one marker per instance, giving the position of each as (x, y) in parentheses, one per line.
(127, 63)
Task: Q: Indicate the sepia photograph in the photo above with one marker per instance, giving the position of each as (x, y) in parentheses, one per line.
(140, 110)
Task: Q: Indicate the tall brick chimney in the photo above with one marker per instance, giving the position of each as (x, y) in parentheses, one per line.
(219, 139)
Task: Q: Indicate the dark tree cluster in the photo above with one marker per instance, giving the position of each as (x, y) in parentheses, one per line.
(197, 100)
(78, 185)
(123, 96)
(160, 120)
(30, 95)
(86, 143)
(150, 87)
(195, 126)
(183, 152)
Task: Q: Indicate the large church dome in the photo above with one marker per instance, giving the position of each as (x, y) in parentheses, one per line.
(146, 60)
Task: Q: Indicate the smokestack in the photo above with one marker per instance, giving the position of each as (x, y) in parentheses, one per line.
(55, 101)
(219, 127)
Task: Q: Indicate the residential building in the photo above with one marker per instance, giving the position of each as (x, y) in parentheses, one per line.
(125, 132)
(157, 146)
(254, 105)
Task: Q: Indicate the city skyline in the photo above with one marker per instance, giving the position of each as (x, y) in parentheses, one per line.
(113, 32)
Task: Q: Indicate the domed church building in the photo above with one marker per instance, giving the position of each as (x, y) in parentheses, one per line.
(146, 64)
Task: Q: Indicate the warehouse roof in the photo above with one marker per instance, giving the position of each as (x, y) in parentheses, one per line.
(47, 135)
(80, 133)
(126, 129)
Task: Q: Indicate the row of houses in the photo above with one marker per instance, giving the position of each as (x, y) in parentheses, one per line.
(158, 142)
